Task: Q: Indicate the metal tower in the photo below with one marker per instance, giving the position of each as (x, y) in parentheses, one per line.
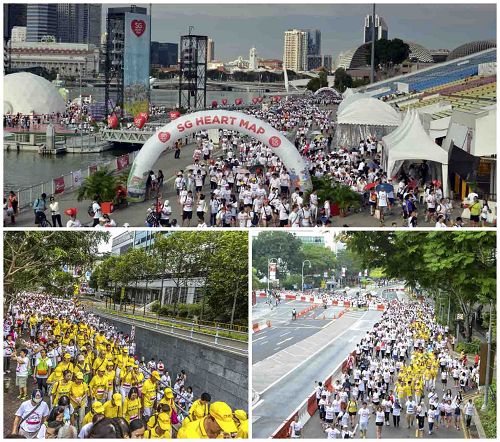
(193, 72)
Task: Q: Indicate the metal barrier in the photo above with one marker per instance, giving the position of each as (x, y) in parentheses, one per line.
(27, 195)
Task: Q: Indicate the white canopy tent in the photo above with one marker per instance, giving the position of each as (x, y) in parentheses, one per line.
(412, 142)
(360, 117)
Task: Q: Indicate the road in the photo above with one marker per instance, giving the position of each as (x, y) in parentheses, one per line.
(285, 374)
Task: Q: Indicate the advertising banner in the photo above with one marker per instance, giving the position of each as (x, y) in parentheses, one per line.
(136, 63)
(59, 185)
(272, 271)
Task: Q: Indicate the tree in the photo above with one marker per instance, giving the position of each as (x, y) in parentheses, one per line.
(388, 52)
(277, 245)
(30, 257)
(317, 83)
(101, 185)
(342, 80)
(458, 266)
(322, 259)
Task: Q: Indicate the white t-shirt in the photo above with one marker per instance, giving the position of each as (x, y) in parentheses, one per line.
(33, 423)
(332, 433)
(382, 198)
(364, 415)
(379, 416)
(296, 429)
(96, 208)
(22, 367)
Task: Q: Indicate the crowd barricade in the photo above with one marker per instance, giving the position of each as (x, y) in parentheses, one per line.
(377, 307)
(307, 310)
(259, 326)
(69, 181)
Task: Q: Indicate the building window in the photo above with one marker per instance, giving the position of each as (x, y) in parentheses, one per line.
(198, 294)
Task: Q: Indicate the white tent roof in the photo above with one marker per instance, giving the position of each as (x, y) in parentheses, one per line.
(347, 101)
(395, 135)
(416, 144)
(347, 92)
(368, 111)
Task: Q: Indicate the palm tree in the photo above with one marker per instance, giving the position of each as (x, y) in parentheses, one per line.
(336, 193)
(100, 185)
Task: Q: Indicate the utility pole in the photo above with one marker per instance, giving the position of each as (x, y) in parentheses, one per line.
(488, 362)
(372, 70)
(449, 307)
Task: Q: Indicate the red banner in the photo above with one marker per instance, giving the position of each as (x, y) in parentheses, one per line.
(59, 185)
(122, 162)
(92, 169)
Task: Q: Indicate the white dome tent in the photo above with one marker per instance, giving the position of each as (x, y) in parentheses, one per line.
(363, 117)
(347, 101)
(27, 93)
(411, 142)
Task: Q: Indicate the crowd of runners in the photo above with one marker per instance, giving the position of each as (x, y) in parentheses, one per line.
(79, 377)
(403, 373)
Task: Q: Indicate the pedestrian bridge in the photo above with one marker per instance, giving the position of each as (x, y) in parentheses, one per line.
(130, 136)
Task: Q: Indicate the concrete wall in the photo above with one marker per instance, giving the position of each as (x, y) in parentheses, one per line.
(222, 374)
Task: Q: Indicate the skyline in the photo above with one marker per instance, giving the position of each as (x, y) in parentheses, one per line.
(434, 26)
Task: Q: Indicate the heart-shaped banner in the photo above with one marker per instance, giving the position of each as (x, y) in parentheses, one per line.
(138, 27)
(163, 136)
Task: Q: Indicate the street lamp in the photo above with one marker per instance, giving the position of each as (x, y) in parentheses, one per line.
(303, 262)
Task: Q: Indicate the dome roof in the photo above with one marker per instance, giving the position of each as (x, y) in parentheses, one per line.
(353, 58)
(26, 93)
(471, 48)
(419, 53)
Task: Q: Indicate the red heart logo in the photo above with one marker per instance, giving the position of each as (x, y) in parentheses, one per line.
(138, 27)
(275, 141)
(163, 136)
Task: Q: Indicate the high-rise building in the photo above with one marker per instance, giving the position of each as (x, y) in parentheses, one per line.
(18, 34)
(164, 55)
(252, 60)
(295, 51)
(210, 50)
(41, 21)
(313, 62)
(79, 23)
(13, 15)
(381, 29)
(328, 62)
(313, 42)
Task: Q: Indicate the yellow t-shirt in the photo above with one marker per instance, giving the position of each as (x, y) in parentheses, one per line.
(149, 393)
(61, 388)
(111, 410)
(193, 430)
(131, 409)
(243, 430)
(99, 387)
(79, 391)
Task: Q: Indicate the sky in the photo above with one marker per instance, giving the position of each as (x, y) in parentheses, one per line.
(236, 28)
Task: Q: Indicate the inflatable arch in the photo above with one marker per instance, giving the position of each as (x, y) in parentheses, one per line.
(328, 89)
(188, 124)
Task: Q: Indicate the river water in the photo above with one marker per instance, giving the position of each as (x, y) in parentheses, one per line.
(22, 169)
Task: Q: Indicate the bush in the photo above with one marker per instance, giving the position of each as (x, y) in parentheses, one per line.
(489, 416)
(469, 347)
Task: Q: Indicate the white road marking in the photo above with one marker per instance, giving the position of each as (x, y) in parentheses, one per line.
(265, 342)
(258, 339)
(287, 333)
(308, 358)
(287, 339)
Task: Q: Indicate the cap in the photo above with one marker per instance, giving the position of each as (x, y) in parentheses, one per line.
(164, 421)
(97, 407)
(110, 364)
(83, 348)
(117, 399)
(168, 392)
(67, 356)
(241, 415)
(155, 375)
(58, 369)
(223, 415)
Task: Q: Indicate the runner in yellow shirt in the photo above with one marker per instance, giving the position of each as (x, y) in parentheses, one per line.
(149, 393)
(97, 408)
(114, 407)
(132, 406)
(161, 430)
(62, 387)
(78, 397)
(219, 423)
(200, 407)
(99, 386)
(66, 363)
(241, 420)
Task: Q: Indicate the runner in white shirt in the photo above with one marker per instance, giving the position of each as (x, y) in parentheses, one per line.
(295, 429)
(33, 413)
(364, 417)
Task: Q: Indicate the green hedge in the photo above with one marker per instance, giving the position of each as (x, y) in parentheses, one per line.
(183, 310)
(469, 347)
(489, 416)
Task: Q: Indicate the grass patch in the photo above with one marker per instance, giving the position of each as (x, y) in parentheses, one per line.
(489, 416)
(222, 333)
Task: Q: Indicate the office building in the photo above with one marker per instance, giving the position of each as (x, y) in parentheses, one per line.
(210, 50)
(13, 15)
(164, 55)
(41, 22)
(78, 23)
(18, 34)
(381, 29)
(328, 62)
(314, 62)
(313, 42)
(295, 50)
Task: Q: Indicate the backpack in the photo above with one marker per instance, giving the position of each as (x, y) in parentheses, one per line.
(255, 219)
(42, 368)
(90, 211)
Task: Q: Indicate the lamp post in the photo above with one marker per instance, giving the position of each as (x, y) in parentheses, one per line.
(303, 262)
(488, 362)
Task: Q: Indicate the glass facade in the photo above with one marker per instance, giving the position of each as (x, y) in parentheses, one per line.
(41, 21)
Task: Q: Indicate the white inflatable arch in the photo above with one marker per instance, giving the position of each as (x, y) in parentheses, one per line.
(328, 89)
(188, 124)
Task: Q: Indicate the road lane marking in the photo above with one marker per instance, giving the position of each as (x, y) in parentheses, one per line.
(308, 358)
(287, 339)
(258, 404)
(259, 339)
(265, 342)
(287, 333)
